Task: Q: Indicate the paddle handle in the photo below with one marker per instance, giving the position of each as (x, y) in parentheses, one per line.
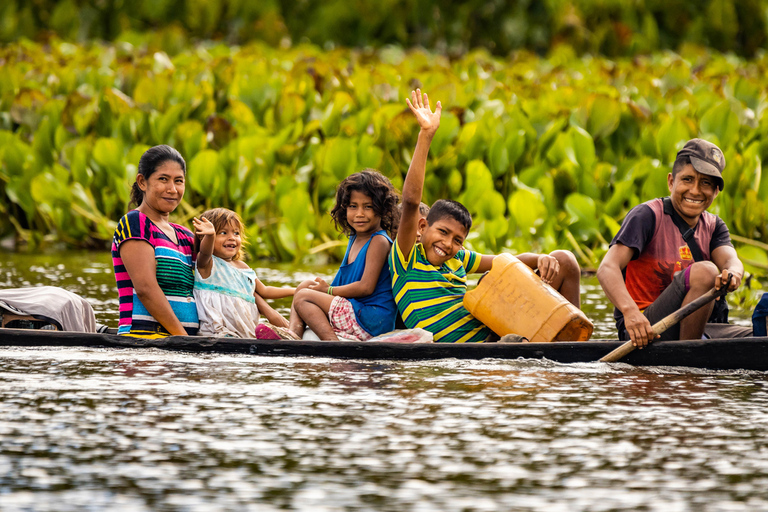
(665, 323)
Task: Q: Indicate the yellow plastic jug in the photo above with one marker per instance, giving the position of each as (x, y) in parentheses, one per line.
(512, 299)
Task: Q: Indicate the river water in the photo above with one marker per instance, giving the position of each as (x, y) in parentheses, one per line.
(136, 430)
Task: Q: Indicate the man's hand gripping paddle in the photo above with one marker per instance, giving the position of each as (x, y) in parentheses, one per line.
(671, 319)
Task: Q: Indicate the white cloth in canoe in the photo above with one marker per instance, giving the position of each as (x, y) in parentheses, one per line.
(417, 335)
(225, 303)
(70, 311)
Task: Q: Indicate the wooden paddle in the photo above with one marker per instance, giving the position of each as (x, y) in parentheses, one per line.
(670, 320)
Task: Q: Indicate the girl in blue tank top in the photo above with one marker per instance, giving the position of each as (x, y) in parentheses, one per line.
(358, 304)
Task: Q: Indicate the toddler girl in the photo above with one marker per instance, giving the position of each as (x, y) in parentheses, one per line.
(358, 304)
(228, 294)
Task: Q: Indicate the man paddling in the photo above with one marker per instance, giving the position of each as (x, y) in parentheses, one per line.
(670, 251)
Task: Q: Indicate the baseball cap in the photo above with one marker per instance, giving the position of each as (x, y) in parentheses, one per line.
(705, 158)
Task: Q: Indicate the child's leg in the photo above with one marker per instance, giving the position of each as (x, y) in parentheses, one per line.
(312, 308)
(568, 280)
(295, 322)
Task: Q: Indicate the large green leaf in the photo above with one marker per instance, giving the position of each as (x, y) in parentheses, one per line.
(670, 138)
(722, 122)
(528, 209)
(340, 157)
(604, 116)
(478, 184)
(108, 156)
(583, 148)
(205, 175)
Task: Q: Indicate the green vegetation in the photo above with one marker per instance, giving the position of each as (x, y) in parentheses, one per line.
(546, 153)
(608, 27)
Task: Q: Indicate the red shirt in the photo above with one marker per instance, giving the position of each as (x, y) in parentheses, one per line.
(659, 249)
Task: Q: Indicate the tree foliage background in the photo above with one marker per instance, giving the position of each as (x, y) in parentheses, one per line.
(559, 115)
(608, 27)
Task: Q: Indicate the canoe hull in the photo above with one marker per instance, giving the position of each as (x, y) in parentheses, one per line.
(743, 353)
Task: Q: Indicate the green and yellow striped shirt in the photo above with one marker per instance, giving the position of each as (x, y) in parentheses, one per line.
(432, 298)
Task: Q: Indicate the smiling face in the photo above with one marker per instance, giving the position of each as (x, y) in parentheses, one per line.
(360, 214)
(228, 241)
(442, 239)
(163, 190)
(692, 193)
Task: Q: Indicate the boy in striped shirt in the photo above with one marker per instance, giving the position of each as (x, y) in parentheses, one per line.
(429, 278)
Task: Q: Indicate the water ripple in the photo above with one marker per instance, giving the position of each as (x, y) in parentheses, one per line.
(148, 430)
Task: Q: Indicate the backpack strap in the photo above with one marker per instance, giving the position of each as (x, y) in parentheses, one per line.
(686, 231)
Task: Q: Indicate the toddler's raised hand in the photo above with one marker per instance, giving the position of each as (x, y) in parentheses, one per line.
(428, 121)
(203, 226)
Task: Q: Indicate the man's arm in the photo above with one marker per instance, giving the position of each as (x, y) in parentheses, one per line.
(609, 274)
(413, 185)
(728, 262)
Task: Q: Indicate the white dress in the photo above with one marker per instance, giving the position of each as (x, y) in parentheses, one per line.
(225, 302)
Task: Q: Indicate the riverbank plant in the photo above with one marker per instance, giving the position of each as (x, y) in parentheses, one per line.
(546, 152)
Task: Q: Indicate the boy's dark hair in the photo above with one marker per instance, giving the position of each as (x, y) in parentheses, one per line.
(376, 186)
(149, 162)
(447, 208)
(221, 218)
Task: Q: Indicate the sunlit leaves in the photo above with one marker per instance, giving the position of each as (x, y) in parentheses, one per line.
(583, 213)
(340, 158)
(721, 122)
(544, 152)
(755, 259)
(528, 209)
(108, 156)
(604, 116)
(670, 138)
(204, 174)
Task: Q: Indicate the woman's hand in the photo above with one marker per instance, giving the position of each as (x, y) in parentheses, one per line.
(428, 121)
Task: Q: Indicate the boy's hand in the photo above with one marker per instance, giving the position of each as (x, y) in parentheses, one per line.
(203, 226)
(428, 121)
(548, 267)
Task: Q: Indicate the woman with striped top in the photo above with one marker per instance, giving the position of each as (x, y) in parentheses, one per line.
(153, 258)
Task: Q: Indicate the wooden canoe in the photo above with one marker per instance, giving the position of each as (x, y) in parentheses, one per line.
(743, 353)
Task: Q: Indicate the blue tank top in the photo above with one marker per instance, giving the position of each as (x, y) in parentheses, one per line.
(376, 312)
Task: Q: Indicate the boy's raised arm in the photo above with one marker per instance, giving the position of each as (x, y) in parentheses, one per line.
(414, 181)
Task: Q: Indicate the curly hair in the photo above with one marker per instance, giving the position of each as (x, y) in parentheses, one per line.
(221, 218)
(376, 186)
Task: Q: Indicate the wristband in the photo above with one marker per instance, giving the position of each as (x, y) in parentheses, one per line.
(330, 290)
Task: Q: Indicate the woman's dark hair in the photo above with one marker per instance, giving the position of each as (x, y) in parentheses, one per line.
(148, 164)
(374, 185)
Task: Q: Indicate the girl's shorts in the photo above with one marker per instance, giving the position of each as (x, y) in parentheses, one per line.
(342, 318)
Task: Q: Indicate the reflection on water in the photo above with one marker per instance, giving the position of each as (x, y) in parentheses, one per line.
(147, 430)
(140, 430)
